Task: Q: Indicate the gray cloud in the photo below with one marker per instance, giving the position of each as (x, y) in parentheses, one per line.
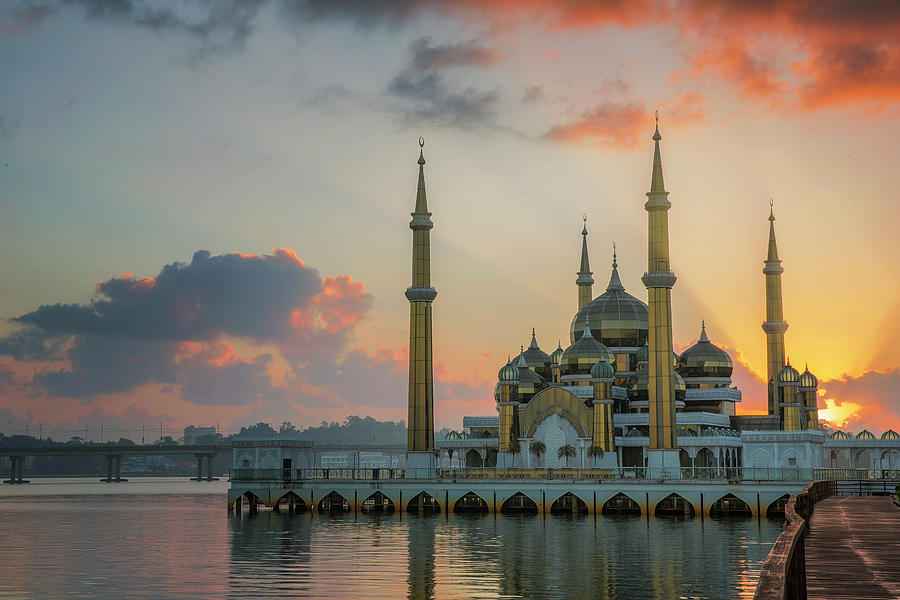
(232, 294)
(428, 96)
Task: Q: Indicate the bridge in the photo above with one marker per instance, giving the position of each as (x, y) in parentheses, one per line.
(841, 540)
(113, 454)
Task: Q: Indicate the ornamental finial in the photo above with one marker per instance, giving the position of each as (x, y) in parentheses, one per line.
(615, 262)
(421, 150)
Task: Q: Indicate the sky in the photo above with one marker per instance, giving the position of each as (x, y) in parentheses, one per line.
(204, 205)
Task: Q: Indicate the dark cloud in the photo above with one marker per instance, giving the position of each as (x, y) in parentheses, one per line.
(231, 294)
(428, 96)
(169, 329)
(31, 343)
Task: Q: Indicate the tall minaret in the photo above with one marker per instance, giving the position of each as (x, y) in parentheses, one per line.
(659, 280)
(585, 281)
(420, 295)
(775, 326)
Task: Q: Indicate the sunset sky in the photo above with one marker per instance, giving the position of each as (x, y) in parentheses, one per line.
(204, 206)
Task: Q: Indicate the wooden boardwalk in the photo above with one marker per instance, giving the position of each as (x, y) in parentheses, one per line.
(853, 549)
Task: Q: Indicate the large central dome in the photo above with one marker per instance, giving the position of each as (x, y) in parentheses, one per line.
(616, 318)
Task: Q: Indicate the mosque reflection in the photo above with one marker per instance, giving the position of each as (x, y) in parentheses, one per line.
(510, 556)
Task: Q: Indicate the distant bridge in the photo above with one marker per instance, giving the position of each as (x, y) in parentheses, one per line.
(113, 454)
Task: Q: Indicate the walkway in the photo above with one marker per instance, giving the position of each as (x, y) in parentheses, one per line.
(853, 549)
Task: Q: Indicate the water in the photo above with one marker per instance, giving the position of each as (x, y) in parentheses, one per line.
(174, 539)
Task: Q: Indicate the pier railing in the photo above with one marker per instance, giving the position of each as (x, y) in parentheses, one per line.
(585, 475)
(783, 574)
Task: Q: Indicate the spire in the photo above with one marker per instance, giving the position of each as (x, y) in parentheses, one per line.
(534, 343)
(614, 282)
(587, 327)
(656, 180)
(703, 337)
(521, 362)
(421, 202)
(585, 264)
(773, 247)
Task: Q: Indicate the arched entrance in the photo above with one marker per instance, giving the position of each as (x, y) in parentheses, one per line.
(776, 509)
(674, 505)
(290, 502)
(470, 503)
(569, 504)
(730, 505)
(378, 503)
(423, 503)
(473, 458)
(333, 503)
(519, 503)
(620, 504)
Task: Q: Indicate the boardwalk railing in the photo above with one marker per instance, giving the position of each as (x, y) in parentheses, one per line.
(783, 574)
(586, 475)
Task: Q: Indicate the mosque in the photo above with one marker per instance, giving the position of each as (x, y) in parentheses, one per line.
(617, 396)
(615, 421)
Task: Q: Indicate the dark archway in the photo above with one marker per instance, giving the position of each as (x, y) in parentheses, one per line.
(730, 505)
(776, 509)
(620, 504)
(377, 503)
(473, 458)
(568, 504)
(491, 458)
(251, 500)
(519, 503)
(470, 503)
(290, 502)
(333, 503)
(673, 504)
(423, 503)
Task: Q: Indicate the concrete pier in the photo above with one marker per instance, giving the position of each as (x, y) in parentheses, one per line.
(16, 470)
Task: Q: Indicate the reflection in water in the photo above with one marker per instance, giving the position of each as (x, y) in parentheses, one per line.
(186, 546)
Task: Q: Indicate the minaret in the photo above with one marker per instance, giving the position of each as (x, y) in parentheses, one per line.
(420, 295)
(585, 282)
(659, 280)
(775, 326)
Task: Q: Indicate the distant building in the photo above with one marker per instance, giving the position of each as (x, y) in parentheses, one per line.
(192, 432)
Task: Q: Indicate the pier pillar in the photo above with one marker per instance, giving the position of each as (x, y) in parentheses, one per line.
(109, 469)
(209, 476)
(118, 469)
(16, 470)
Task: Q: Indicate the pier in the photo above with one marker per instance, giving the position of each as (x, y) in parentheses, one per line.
(840, 540)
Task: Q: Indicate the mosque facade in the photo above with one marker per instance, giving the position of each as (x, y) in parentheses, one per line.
(617, 396)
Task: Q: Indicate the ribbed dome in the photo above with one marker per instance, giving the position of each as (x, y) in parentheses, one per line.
(808, 380)
(556, 355)
(509, 372)
(788, 374)
(643, 353)
(705, 359)
(840, 435)
(617, 318)
(453, 435)
(865, 434)
(890, 434)
(602, 370)
(582, 354)
(535, 358)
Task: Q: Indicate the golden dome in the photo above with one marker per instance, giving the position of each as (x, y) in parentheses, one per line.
(509, 372)
(617, 318)
(705, 359)
(840, 435)
(788, 374)
(580, 357)
(808, 380)
(890, 434)
(865, 434)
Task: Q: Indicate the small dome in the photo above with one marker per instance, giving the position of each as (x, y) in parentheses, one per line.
(453, 435)
(840, 435)
(808, 380)
(705, 359)
(788, 374)
(602, 370)
(680, 387)
(686, 432)
(536, 359)
(509, 372)
(865, 434)
(556, 356)
(580, 357)
(643, 353)
(890, 434)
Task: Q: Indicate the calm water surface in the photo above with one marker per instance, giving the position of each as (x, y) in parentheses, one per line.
(152, 538)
